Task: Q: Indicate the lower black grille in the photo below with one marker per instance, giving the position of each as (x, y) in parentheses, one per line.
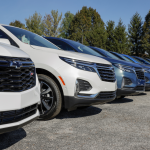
(106, 72)
(140, 74)
(127, 81)
(147, 84)
(84, 85)
(16, 75)
(107, 95)
(139, 88)
(17, 115)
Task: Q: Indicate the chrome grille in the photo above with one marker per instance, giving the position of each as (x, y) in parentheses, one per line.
(140, 74)
(17, 115)
(106, 72)
(16, 74)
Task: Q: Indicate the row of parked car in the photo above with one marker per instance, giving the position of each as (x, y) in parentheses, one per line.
(40, 76)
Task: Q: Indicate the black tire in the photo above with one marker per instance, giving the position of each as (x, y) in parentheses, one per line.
(51, 98)
(122, 97)
(83, 107)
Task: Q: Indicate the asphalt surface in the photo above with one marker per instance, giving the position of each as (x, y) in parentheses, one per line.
(120, 125)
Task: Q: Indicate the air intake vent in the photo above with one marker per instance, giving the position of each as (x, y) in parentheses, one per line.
(127, 81)
(84, 85)
(16, 74)
(107, 95)
(146, 79)
(106, 72)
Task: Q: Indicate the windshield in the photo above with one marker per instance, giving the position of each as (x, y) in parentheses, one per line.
(125, 58)
(108, 54)
(145, 60)
(128, 58)
(30, 38)
(142, 60)
(136, 59)
(84, 49)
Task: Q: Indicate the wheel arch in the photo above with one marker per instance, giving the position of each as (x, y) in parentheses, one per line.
(45, 72)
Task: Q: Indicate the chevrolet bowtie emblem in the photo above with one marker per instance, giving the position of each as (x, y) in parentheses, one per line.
(15, 64)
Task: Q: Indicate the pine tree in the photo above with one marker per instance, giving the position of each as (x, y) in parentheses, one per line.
(88, 28)
(65, 24)
(146, 34)
(51, 23)
(135, 35)
(121, 39)
(110, 42)
(35, 24)
(18, 24)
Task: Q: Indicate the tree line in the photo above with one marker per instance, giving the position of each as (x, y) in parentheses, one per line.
(88, 28)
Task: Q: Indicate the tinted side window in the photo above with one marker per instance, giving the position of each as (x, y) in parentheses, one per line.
(61, 45)
(5, 36)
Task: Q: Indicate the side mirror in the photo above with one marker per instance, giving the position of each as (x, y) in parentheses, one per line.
(6, 41)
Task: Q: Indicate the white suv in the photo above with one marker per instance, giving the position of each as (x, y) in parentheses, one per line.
(19, 89)
(68, 79)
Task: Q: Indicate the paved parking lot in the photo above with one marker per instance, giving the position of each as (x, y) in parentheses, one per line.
(121, 124)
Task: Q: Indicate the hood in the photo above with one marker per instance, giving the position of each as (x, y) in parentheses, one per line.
(122, 62)
(11, 51)
(73, 55)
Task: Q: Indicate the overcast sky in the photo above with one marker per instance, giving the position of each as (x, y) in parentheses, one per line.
(11, 10)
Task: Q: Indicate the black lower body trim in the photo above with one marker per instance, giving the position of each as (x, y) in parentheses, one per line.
(128, 91)
(71, 103)
(9, 129)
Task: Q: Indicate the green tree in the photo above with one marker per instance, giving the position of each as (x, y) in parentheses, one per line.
(135, 34)
(17, 23)
(110, 41)
(146, 34)
(88, 28)
(35, 24)
(51, 23)
(64, 29)
(121, 39)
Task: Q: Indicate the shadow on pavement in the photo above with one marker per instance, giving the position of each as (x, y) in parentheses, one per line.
(89, 111)
(9, 139)
(121, 100)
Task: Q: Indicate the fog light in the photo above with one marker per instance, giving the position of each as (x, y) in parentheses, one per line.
(127, 81)
(82, 85)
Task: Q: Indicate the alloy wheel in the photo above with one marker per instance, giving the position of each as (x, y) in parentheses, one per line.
(47, 98)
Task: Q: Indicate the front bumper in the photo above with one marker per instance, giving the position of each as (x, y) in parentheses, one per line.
(12, 105)
(147, 85)
(130, 91)
(72, 102)
(135, 87)
(17, 125)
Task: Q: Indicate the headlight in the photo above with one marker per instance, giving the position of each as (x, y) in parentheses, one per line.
(146, 70)
(86, 66)
(124, 68)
